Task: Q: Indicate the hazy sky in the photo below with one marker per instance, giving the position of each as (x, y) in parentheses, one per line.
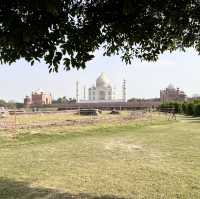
(144, 79)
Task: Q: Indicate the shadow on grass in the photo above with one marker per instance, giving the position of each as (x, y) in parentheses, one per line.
(10, 189)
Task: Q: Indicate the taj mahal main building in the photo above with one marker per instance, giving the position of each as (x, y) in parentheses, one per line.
(102, 91)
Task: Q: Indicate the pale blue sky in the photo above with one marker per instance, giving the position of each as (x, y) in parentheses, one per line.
(144, 79)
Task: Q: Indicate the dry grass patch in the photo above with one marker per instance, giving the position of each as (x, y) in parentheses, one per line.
(137, 159)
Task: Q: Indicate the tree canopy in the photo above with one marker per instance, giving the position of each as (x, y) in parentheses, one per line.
(69, 31)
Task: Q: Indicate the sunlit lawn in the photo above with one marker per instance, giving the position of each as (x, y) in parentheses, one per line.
(141, 159)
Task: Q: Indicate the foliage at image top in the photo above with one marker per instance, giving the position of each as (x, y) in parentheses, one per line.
(69, 31)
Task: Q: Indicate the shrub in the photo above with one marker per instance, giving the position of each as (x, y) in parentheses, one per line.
(171, 105)
(184, 108)
(196, 110)
(177, 107)
(190, 109)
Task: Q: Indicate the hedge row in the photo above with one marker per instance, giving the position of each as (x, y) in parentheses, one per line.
(187, 108)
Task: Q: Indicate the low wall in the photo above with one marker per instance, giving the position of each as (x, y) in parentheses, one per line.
(43, 112)
(111, 105)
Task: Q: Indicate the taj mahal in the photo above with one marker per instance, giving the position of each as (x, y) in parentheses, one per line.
(102, 91)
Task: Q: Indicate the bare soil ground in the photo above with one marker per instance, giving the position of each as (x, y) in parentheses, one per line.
(65, 119)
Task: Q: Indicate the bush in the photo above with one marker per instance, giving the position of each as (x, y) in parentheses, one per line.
(177, 107)
(196, 110)
(184, 108)
(190, 109)
(172, 105)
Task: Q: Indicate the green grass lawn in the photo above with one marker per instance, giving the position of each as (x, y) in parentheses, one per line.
(159, 159)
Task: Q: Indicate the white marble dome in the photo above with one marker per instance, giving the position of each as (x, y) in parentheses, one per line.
(171, 87)
(103, 81)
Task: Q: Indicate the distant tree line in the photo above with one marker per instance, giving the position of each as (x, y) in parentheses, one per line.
(10, 104)
(144, 100)
(188, 108)
(13, 104)
(64, 100)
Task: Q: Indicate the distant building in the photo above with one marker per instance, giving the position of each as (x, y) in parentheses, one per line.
(102, 92)
(103, 89)
(38, 98)
(172, 94)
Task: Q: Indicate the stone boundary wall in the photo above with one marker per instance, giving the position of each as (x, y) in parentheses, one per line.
(111, 105)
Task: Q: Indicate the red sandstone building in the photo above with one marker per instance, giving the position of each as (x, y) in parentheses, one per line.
(171, 94)
(38, 98)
